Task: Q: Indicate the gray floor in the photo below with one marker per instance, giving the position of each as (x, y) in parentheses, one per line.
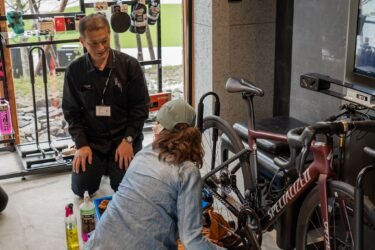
(34, 217)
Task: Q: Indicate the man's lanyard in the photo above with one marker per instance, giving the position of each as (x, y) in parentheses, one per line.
(105, 86)
(109, 77)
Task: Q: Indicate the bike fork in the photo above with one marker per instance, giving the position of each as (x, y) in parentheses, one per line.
(322, 182)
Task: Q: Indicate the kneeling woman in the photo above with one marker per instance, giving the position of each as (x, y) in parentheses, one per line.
(159, 199)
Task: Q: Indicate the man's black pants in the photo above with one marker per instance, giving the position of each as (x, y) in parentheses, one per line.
(101, 165)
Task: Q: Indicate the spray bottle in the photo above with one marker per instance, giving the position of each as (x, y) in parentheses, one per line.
(87, 211)
(71, 228)
(5, 119)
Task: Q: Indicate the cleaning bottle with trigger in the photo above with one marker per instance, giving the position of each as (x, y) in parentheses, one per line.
(71, 228)
(5, 119)
(87, 211)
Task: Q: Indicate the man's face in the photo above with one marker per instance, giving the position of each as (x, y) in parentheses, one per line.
(97, 44)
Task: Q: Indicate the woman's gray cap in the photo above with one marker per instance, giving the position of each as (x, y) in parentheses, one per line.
(175, 112)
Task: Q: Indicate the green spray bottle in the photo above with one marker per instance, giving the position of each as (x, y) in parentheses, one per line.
(87, 211)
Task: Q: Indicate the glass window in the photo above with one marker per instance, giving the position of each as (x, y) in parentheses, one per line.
(365, 42)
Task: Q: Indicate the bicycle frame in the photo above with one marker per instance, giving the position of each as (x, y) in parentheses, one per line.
(318, 171)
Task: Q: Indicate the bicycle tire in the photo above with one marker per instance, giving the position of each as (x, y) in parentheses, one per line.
(215, 122)
(228, 140)
(310, 233)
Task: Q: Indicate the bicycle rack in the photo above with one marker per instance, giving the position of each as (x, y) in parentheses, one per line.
(358, 199)
(201, 108)
(41, 157)
(200, 122)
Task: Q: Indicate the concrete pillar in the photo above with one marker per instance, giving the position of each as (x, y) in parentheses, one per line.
(234, 39)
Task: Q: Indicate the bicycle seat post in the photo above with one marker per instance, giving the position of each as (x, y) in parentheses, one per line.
(250, 111)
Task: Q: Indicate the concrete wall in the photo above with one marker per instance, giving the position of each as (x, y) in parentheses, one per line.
(234, 39)
(319, 45)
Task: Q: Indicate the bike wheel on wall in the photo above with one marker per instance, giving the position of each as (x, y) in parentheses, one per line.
(226, 145)
(310, 233)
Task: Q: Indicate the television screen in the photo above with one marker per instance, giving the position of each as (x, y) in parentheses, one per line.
(365, 40)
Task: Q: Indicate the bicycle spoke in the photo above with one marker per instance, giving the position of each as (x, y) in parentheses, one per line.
(316, 235)
(345, 220)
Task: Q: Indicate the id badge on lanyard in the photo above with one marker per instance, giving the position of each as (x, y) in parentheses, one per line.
(104, 110)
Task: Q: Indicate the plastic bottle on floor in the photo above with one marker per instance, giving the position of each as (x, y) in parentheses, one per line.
(5, 119)
(71, 228)
(87, 211)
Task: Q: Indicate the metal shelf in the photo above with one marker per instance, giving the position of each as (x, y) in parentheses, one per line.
(44, 157)
(350, 92)
(32, 38)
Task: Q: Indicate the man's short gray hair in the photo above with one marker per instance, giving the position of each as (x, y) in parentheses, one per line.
(92, 22)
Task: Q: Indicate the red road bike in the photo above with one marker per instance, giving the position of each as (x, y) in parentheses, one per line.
(253, 206)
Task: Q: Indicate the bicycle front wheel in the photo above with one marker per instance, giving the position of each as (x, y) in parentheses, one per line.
(310, 231)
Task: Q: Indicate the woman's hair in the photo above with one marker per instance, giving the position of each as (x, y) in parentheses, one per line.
(93, 22)
(182, 144)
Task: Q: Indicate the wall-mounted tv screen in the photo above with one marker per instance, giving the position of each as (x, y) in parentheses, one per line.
(365, 40)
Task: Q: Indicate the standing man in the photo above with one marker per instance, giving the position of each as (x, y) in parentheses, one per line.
(105, 102)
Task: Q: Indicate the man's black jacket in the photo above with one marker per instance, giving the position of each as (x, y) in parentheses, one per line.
(126, 94)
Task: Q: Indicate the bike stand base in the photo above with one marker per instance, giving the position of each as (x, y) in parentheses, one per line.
(9, 139)
(34, 161)
(30, 148)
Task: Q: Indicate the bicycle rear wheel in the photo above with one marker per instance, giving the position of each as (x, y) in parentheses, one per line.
(310, 234)
(227, 143)
(216, 152)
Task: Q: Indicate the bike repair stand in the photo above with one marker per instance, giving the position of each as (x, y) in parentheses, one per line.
(358, 199)
(41, 157)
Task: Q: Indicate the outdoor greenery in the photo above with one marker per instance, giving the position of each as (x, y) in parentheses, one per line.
(172, 79)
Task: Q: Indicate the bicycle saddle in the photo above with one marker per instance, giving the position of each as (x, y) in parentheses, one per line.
(235, 85)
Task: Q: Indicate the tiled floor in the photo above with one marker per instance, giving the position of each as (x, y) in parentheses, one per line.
(34, 217)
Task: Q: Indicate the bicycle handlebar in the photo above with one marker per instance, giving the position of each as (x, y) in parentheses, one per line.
(302, 136)
(297, 136)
